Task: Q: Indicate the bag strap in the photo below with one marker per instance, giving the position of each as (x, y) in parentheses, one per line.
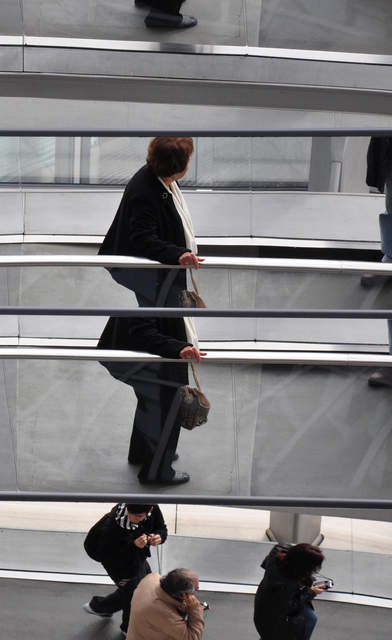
(194, 283)
(196, 379)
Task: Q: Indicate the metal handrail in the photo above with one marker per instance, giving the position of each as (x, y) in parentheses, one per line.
(307, 358)
(181, 312)
(131, 46)
(164, 498)
(273, 264)
(200, 133)
(209, 49)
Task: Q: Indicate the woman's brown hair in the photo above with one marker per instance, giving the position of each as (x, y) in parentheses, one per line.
(302, 560)
(168, 156)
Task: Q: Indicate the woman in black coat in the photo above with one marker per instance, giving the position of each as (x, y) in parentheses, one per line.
(153, 222)
(121, 541)
(283, 604)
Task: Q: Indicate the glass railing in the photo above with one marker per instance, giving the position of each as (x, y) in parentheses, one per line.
(271, 411)
(223, 283)
(216, 164)
(283, 429)
(208, 539)
(273, 182)
(331, 27)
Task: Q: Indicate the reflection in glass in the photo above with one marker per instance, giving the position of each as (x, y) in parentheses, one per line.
(272, 430)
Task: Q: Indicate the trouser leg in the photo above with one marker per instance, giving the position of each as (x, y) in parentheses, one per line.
(149, 421)
(166, 6)
(107, 604)
(127, 594)
(120, 599)
(310, 622)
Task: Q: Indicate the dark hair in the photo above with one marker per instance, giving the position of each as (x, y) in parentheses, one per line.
(178, 581)
(168, 156)
(139, 508)
(301, 561)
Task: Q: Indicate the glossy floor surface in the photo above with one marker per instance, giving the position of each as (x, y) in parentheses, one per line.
(348, 25)
(36, 610)
(224, 22)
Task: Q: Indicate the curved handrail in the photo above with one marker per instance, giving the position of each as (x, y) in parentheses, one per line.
(274, 264)
(209, 49)
(165, 498)
(200, 133)
(221, 357)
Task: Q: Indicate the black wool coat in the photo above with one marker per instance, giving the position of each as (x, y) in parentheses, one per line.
(147, 225)
(379, 162)
(280, 602)
(119, 555)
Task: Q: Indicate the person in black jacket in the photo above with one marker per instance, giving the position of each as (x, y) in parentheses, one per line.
(379, 176)
(166, 14)
(153, 222)
(283, 607)
(122, 540)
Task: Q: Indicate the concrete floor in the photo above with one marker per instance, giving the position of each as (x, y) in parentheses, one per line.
(35, 610)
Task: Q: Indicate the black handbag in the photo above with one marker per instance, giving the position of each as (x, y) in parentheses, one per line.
(194, 407)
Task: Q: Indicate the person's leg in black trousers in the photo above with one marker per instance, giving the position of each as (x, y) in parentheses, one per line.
(166, 14)
(165, 6)
(120, 599)
(154, 402)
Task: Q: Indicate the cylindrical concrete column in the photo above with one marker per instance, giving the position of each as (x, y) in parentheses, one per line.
(286, 527)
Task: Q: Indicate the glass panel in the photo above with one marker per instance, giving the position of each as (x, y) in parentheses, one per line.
(357, 551)
(279, 430)
(334, 26)
(11, 18)
(221, 22)
(337, 25)
(220, 288)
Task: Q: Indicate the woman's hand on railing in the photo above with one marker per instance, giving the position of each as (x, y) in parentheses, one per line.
(191, 353)
(190, 259)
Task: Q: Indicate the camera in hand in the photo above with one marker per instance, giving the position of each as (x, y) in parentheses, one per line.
(326, 584)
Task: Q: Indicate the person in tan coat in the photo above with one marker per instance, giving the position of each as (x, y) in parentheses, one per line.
(166, 608)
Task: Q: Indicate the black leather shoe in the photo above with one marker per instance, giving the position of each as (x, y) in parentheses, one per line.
(136, 460)
(180, 477)
(156, 19)
(381, 378)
